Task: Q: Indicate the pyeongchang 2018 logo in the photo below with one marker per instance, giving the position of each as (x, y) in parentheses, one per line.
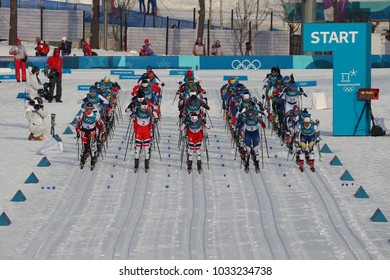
(346, 81)
(246, 64)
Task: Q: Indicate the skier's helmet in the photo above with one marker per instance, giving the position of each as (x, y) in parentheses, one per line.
(144, 105)
(194, 116)
(279, 78)
(144, 83)
(93, 89)
(89, 105)
(189, 73)
(149, 68)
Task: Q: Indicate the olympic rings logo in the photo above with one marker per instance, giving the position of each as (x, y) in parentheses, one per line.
(348, 89)
(246, 64)
(303, 84)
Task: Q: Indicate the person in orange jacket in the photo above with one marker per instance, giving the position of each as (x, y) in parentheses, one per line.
(54, 66)
(20, 58)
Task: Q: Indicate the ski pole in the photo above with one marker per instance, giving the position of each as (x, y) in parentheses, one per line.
(78, 148)
(319, 151)
(182, 155)
(207, 113)
(127, 145)
(158, 148)
(128, 128)
(173, 102)
(266, 143)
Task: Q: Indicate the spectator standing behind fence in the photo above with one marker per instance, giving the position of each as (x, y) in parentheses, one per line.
(54, 66)
(199, 49)
(65, 47)
(154, 6)
(216, 48)
(146, 50)
(248, 49)
(20, 58)
(42, 49)
(149, 4)
(142, 7)
(86, 48)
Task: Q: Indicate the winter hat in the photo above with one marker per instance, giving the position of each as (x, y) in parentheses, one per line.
(146, 42)
(56, 51)
(17, 41)
(89, 105)
(63, 38)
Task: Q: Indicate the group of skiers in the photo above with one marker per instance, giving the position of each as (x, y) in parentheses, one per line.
(100, 109)
(293, 124)
(245, 115)
(193, 107)
(281, 107)
(144, 114)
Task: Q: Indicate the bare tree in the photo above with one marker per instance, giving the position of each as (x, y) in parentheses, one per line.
(288, 11)
(13, 31)
(95, 25)
(244, 18)
(119, 19)
(201, 19)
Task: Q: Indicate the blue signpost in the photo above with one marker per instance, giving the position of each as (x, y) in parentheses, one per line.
(351, 47)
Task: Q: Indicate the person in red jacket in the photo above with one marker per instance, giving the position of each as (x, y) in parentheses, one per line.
(54, 66)
(42, 49)
(20, 58)
(86, 48)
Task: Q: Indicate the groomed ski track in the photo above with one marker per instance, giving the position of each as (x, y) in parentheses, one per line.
(222, 213)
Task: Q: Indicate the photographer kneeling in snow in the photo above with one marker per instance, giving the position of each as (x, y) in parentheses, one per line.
(36, 114)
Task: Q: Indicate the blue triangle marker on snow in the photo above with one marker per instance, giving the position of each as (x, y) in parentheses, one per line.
(361, 193)
(378, 216)
(325, 149)
(4, 220)
(57, 138)
(79, 113)
(32, 179)
(346, 176)
(21, 95)
(74, 122)
(335, 161)
(18, 197)
(44, 162)
(68, 130)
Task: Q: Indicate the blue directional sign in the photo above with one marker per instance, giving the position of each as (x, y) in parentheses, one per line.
(351, 47)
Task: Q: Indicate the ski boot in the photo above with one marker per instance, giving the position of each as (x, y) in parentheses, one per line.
(146, 165)
(311, 164)
(136, 164)
(301, 163)
(307, 158)
(93, 163)
(199, 166)
(246, 166)
(82, 162)
(257, 167)
(189, 166)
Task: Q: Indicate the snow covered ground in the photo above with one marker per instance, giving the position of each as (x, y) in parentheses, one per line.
(167, 214)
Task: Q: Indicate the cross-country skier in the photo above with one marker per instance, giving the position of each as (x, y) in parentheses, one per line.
(308, 136)
(91, 129)
(144, 116)
(194, 126)
(252, 120)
